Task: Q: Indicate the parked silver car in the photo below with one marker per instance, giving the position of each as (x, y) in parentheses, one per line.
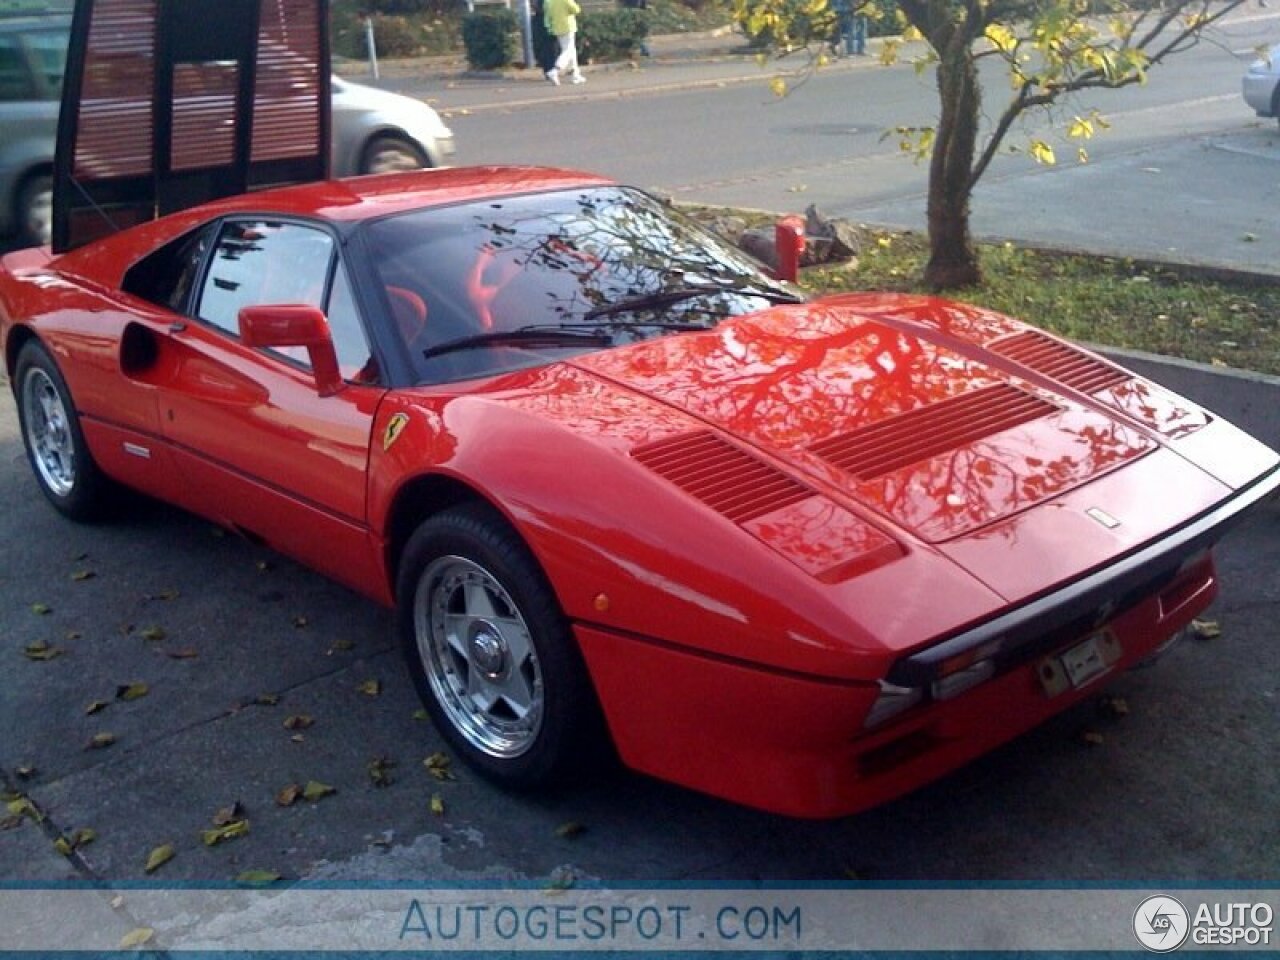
(1261, 84)
(373, 131)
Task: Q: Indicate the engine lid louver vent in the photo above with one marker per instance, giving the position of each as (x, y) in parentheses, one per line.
(724, 477)
(918, 435)
(1060, 362)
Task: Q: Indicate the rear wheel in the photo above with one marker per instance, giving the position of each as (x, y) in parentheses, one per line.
(51, 433)
(391, 155)
(489, 650)
(35, 211)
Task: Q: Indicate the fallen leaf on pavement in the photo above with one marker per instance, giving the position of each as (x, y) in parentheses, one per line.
(41, 609)
(186, 653)
(380, 771)
(257, 878)
(315, 790)
(1092, 738)
(40, 650)
(227, 814)
(132, 691)
(1206, 629)
(137, 937)
(570, 829)
(267, 699)
(153, 633)
(81, 575)
(96, 707)
(438, 766)
(298, 721)
(100, 741)
(289, 795)
(437, 805)
(159, 857)
(236, 828)
(370, 688)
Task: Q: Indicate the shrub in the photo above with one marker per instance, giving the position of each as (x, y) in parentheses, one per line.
(396, 37)
(489, 38)
(611, 34)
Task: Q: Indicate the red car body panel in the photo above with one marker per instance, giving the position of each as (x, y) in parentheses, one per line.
(752, 529)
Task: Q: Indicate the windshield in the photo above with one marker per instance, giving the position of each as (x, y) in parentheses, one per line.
(486, 287)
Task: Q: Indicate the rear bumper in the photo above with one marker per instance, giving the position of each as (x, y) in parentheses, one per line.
(797, 746)
(1092, 600)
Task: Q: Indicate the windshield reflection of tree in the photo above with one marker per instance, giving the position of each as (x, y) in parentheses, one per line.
(551, 259)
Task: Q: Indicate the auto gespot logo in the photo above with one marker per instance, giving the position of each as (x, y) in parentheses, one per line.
(1162, 924)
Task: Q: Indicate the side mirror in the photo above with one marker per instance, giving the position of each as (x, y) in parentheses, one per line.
(788, 239)
(295, 325)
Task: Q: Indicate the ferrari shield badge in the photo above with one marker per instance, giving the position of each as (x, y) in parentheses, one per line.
(395, 427)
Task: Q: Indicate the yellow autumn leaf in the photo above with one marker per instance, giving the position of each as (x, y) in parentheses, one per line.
(152, 633)
(1041, 152)
(257, 878)
(237, 828)
(437, 805)
(1080, 129)
(370, 688)
(159, 857)
(137, 937)
(1001, 37)
(100, 741)
(315, 790)
(132, 691)
(778, 86)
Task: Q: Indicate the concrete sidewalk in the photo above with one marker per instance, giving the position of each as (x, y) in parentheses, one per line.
(676, 62)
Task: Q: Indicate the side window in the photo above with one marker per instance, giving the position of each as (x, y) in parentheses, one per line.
(15, 78)
(166, 277)
(348, 335)
(261, 262)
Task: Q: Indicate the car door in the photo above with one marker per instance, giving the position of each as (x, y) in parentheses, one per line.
(258, 447)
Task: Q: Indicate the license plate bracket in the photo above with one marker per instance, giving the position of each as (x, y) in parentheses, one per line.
(1080, 663)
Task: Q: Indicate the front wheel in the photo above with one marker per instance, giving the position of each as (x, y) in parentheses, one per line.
(51, 433)
(489, 650)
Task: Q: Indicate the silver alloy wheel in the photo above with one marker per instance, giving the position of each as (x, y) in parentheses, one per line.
(478, 657)
(393, 156)
(48, 430)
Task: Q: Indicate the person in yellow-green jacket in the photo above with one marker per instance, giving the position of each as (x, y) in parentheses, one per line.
(561, 17)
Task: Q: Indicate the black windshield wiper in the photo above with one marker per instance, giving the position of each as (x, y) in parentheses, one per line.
(662, 298)
(524, 337)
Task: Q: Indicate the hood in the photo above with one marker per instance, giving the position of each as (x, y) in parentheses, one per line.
(938, 434)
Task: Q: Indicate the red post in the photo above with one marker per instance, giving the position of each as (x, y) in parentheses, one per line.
(788, 238)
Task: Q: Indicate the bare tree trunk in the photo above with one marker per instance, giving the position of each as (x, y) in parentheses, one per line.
(953, 260)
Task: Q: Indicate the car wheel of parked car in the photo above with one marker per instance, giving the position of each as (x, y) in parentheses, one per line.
(489, 649)
(35, 211)
(391, 155)
(51, 433)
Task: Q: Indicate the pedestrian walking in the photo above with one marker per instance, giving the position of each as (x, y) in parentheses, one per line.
(562, 21)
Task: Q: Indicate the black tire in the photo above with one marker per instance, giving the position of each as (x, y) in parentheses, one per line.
(387, 154)
(56, 448)
(457, 564)
(33, 211)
